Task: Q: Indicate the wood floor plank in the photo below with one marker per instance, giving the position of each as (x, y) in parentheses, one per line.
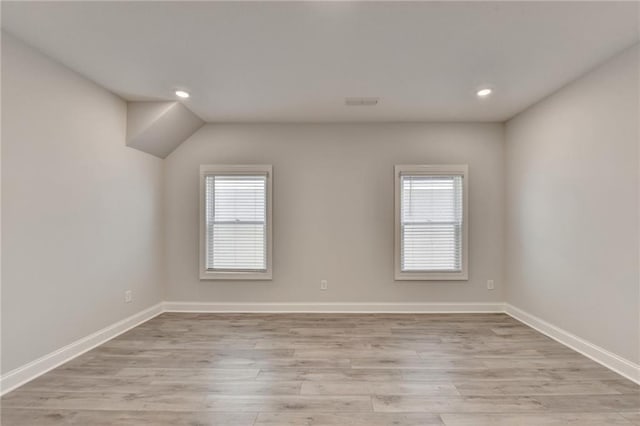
(510, 374)
(350, 353)
(176, 401)
(577, 419)
(416, 363)
(347, 419)
(591, 403)
(535, 388)
(38, 417)
(153, 386)
(289, 403)
(564, 362)
(330, 375)
(327, 369)
(188, 374)
(377, 388)
(633, 417)
(460, 404)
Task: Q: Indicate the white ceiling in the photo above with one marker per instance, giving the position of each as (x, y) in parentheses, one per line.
(259, 61)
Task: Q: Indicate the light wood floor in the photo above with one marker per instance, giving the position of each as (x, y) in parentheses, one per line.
(327, 369)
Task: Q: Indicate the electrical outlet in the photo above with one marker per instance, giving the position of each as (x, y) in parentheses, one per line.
(323, 284)
(128, 296)
(490, 285)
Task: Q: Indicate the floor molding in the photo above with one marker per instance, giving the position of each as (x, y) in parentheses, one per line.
(30, 371)
(334, 307)
(602, 356)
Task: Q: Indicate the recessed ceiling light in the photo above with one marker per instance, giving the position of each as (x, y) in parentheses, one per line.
(182, 94)
(483, 93)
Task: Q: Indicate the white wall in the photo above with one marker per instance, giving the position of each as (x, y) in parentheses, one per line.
(333, 209)
(83, 216)
(81, 213)
(572, 203)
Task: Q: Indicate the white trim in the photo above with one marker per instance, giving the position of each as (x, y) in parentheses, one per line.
(38, 367)
(622, 366)
(30, 371)
(224, 169)
(335, 307)
(432, 170)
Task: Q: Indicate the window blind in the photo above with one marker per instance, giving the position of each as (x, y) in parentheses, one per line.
(236, 229)
(431, 223)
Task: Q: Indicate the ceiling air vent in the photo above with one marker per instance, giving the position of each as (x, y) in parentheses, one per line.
(361, 101)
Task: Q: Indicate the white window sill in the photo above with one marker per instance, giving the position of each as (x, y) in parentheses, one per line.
(431, 276)
(243, 276)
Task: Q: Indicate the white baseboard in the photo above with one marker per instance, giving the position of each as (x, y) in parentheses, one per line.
(622, 366)
(334, 307)
(30, 371)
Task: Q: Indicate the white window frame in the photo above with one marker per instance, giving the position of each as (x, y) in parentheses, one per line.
(432, 170)
(207, 170)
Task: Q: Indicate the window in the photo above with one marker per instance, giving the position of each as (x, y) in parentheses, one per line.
(431, 223)
(235, 223)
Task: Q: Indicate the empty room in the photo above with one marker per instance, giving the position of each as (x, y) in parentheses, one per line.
(321, 213)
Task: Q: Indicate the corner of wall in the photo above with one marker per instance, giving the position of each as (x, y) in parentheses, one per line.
(504, 289)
